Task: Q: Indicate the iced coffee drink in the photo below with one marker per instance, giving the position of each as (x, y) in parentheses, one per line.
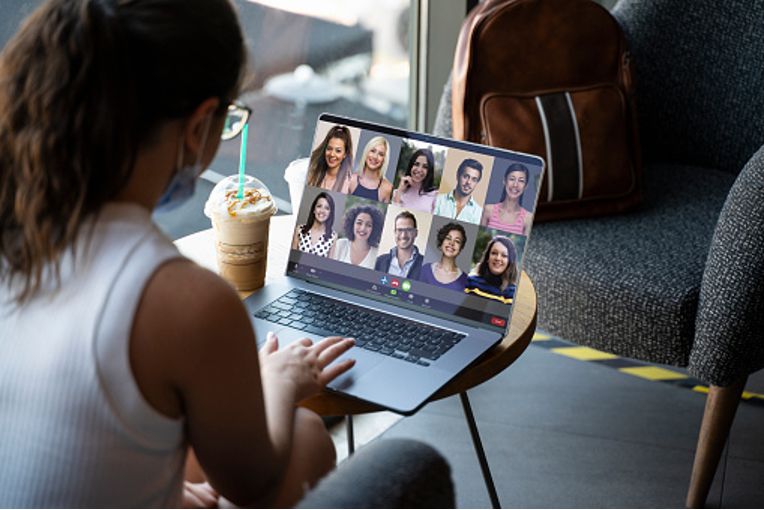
(241, 230)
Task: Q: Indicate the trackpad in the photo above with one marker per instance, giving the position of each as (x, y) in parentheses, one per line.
(365, 360)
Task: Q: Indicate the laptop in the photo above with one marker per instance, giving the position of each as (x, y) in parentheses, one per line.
(425, 285)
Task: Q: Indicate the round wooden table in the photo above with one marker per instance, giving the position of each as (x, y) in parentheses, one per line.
(200, 248)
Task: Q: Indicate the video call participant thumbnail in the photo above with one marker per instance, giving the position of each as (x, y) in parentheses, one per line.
(362, 226)
(458, 204)
(495, 276)
(416, 188)
(331, 163)
(369, 182)
(316, 235)
(451, 239)
(404, 258)
(508, 215)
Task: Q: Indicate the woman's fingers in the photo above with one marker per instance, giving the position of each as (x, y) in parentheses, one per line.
(334, 371)
(331, 348)
(199, 495)
(271, 343)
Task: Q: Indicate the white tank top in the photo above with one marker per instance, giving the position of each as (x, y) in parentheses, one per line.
(75, 430)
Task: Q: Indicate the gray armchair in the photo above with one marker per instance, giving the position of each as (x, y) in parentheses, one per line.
(389, 473)
(680, 280)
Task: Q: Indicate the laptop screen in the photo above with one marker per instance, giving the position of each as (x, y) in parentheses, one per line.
(431, 224)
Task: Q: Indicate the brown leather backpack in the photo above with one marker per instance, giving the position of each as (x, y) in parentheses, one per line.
(553, 78)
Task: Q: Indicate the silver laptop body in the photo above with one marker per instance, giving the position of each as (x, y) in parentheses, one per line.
(405, 308)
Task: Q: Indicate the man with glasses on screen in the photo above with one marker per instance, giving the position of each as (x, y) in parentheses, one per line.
(404, 259)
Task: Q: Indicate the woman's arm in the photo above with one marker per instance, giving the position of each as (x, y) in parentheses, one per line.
(527, 222)
(334, 244)
(385, 189)
(487, 212)
(433, 195)
(346, 185)
(296, 237)
(193, 354)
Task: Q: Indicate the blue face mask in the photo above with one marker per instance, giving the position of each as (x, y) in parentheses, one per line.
(183, 183)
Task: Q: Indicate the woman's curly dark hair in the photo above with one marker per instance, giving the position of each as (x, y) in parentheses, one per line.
(377, 220)
(448, 227)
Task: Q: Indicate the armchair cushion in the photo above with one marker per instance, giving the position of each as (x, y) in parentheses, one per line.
(629, 284)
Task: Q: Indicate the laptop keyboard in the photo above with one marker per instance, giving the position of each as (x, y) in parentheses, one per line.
(373, 330)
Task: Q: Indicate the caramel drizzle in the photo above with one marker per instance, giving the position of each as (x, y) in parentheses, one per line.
(251, 196)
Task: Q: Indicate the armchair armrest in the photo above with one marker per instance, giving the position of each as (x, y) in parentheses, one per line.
(730, 320)
(388, 473)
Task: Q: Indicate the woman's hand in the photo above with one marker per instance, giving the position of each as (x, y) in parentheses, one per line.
(303, 366)
(199, 495)
(405, 183)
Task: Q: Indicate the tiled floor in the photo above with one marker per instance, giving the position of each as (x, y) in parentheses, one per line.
(565, 433)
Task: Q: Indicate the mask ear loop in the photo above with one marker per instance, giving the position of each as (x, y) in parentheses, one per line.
(205, 133)
(181, 146)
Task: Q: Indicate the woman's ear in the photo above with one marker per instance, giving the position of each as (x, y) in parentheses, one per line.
(199, 122)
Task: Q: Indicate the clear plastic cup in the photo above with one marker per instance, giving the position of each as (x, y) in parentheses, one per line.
(241, 229)
(295, 175)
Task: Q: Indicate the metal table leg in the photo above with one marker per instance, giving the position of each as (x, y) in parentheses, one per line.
(479, 450)
(349, 429)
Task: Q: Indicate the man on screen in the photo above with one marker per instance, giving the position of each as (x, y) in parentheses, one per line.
(458, 204)
(404, 259)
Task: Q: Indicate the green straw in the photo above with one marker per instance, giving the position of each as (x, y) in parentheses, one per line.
(242, 161)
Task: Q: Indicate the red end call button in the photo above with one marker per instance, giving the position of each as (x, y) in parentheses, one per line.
(498, 322)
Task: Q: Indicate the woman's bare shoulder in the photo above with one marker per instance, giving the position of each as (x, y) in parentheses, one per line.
(487, 213)
(187, 318)
(189, 310)
(354, 179)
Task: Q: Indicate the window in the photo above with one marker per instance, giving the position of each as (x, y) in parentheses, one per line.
(348, 57)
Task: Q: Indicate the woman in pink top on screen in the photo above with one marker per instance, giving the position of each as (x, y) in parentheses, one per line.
(416, 189)
(508, 215)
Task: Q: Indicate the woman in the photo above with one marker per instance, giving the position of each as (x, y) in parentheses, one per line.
(370, 182)
(451, 239)
(416, 189)
(116, 353)
(508, 215)
(316, 235)
(331, 163)
(495, 276)
(362, 226)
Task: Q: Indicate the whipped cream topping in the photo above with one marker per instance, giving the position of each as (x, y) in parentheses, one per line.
(254, 205)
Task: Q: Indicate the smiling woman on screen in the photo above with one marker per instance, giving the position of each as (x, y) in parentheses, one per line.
(495, 276)
(416, 189)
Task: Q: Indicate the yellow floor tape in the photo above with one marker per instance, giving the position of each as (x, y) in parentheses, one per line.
(639, 369)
